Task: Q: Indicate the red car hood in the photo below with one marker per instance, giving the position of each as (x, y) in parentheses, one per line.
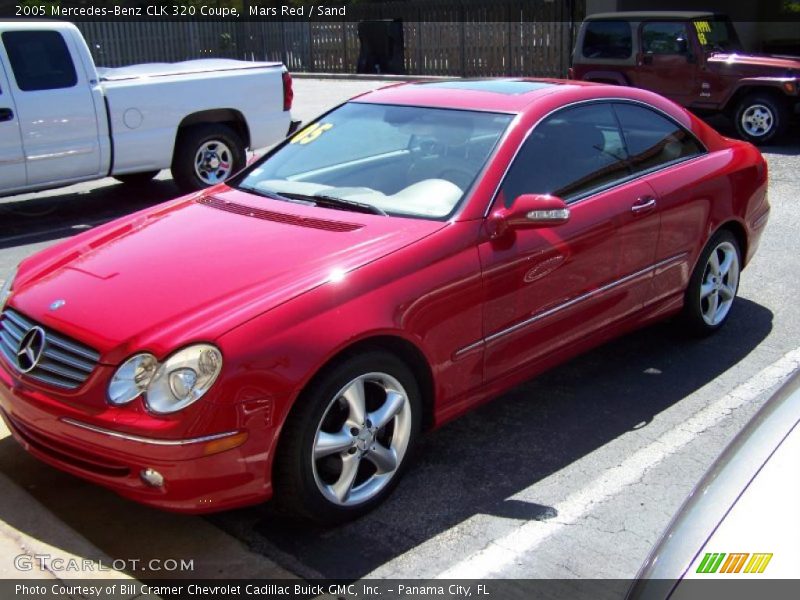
(193, 269)
(774, 65)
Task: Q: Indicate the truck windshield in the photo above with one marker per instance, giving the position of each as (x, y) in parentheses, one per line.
(717, 35)
(395, 160)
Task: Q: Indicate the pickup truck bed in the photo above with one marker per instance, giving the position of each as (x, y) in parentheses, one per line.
(189, 67)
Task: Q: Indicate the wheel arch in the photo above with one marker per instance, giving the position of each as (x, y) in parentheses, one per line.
(405, 350)
(606, 77)
(745, 90)
(740, 233)
(225, 116)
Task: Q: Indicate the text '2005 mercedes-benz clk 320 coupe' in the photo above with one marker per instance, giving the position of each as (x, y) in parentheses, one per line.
(411, 253)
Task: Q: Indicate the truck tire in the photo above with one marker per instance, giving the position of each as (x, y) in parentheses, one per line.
(761, 118)
(206, 155)
(136, 179)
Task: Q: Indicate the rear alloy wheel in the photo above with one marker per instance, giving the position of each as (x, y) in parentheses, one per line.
(714, 284)
(760, 118)
(344, 449)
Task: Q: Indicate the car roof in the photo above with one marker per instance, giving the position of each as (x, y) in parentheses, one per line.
(652, 15)
(508, 95)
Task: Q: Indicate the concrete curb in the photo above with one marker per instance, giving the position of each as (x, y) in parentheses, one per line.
(25, 556)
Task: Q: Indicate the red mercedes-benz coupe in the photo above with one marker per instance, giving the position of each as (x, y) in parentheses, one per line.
(408, 255)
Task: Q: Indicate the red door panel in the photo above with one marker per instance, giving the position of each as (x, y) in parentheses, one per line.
(548, 287)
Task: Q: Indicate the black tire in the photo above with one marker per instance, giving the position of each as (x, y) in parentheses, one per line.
(694, 304)
(136, 179)
(771, 108)
(296, 490)
(191, 140)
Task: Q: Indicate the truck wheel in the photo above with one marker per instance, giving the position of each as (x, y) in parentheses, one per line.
(760, 118)
(136, 179)
(206, 155)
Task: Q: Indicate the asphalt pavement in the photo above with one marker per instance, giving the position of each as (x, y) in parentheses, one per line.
(573, 474)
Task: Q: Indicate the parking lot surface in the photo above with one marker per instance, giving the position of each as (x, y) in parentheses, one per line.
(573, 474)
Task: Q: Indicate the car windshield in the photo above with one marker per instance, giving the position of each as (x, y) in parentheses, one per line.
(396, 160)
(717, 35)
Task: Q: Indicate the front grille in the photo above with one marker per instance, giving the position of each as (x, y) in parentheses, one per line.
(64, 363)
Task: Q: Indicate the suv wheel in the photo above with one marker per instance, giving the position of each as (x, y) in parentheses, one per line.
(760, 118)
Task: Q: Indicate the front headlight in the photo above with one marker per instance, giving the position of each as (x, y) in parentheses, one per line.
(5, 291)
(132, 378)
(169, 387)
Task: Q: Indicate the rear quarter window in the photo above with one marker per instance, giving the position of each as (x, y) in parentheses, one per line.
(39, 60)
(653, 140)
(607, 39)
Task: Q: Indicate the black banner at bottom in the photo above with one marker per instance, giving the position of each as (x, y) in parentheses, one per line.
(396, 589)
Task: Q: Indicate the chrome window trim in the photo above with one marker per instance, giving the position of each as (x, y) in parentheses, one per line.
(613, 184)
(146, 440)
(569, 303)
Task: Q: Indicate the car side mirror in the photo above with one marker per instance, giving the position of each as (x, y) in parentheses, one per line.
(528, 211)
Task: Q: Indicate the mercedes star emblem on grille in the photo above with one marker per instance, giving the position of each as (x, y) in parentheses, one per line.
(31, 347)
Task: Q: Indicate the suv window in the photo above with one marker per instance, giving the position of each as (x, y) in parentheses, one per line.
(607, 39)
(653, 140)
(40, 60)
(664, 38)
(570, 153)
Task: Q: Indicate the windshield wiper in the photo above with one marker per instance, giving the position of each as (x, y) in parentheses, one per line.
(273, 195)
(334, 202)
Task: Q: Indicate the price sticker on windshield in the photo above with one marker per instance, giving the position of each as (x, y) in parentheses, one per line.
(702, 27)
(311, 133)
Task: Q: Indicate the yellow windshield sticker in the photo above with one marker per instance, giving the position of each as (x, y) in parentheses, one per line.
(702, 27)
(310, 133)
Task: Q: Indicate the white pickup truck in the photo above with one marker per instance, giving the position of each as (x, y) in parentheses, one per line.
(63, 120)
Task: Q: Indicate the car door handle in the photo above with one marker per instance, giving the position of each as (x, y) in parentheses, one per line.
(643, 204)
(6, 114)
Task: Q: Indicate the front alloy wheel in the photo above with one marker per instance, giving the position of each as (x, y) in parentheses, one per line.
(348, 438)
(361, 439)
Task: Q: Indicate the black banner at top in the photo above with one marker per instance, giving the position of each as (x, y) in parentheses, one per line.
(358, 10)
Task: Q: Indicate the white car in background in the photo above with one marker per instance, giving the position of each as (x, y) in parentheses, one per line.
(742, 521)
(63, 120)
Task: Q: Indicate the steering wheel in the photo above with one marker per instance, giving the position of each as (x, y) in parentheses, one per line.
(460, 177)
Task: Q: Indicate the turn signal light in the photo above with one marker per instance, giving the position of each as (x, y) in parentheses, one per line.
(226, 443)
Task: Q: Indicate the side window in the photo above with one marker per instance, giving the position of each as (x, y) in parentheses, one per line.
(652, 139)
(570, 153)
(665, 38)
(40, 60)
(607, 39)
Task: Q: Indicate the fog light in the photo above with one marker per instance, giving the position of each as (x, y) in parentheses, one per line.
(152, 477)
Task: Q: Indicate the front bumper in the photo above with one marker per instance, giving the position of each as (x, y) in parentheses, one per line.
(194, 480)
